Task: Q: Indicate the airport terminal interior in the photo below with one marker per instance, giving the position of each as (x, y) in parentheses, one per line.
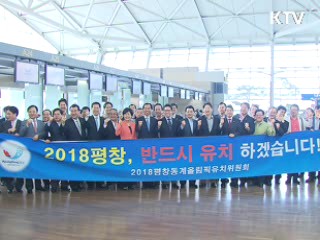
(160, 69)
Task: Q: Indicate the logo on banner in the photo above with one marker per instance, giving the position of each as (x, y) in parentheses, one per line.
(14, 156)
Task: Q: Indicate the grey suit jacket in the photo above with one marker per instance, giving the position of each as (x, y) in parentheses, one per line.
(29, 131)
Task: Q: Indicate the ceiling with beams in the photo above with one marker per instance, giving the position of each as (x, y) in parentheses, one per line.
(96, 26)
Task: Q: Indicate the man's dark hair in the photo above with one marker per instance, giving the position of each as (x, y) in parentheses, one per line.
(32, 106)
(75, 106)
(13, 109)
(106, 103)
(47, 110)
(207, 104)
(174, 105)
(158, 104)
(189, 107)
(230, 106)
(95, 103)
(282, 108)
(246, 104)
(295, 105)
(146, 104)
(57, 110)
(85, 108)
(259, 110)
(63, 100)
(222, 103)
(167, 105)
(132, 105)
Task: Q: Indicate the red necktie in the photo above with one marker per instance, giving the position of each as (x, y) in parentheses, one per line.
(35, 126)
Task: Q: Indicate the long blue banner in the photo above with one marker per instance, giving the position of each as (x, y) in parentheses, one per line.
(160, 159)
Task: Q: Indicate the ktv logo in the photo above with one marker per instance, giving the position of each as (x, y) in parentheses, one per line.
(286, 17)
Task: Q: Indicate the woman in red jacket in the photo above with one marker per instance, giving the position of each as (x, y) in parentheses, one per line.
(126, 129)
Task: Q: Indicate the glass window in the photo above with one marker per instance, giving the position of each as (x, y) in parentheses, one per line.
(16, 32)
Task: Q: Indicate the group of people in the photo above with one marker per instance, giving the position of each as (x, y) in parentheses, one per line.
(152, 121)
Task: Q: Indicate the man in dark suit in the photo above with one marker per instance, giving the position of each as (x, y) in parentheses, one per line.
(85, 113)
(12, 126)
(247, 127)
(158, 111)
(95, 123)
(75, 130)
(168, 127)
(175, 112)
(95, 131)
(209, 126)
(63, 105)
(109, 132)
(147, 127)
(281, 127)
(231, 128)
(55, 132)
(110, 125)
(189, 128)
(55, 128)
(246, 122)
(46, 118)
(35, 129)
(107, 106)
(3, 119)
(222, 110)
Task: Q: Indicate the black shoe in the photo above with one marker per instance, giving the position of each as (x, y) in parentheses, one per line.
(234, 185)
(213, 185)
(175, 186)
(277, 182)
(242, 184)
(268, 184)
(10, 191)
(288, 182)
(19, 190)
(65, 189)
(310, 180)
(165, 186)
(223, 185)
(30, 191)
(296, 182)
